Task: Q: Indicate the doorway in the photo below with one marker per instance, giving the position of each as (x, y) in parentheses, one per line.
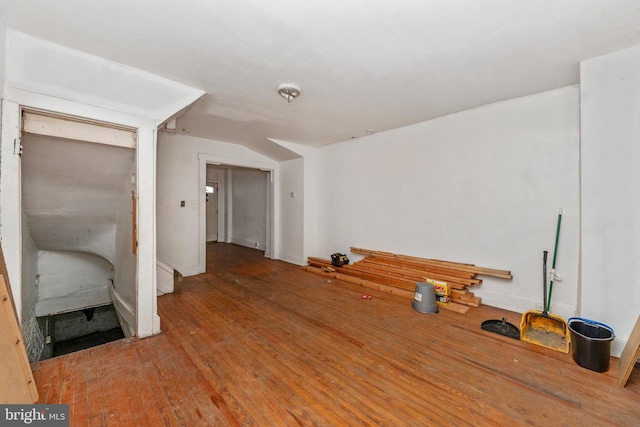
(78, 205)
(246, 208)
(211, 199)
(136, 299)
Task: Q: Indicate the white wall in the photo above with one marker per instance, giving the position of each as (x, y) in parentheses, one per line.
(292, 203)
(482, 186)
(70, 281)
(3, 53)
(301, 235)
(179, 158)
(610, 95)
(249, 208)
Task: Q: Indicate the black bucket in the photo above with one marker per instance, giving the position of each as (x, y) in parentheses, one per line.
(590, 343)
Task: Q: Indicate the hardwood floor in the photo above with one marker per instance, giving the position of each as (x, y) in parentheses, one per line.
(255, 342)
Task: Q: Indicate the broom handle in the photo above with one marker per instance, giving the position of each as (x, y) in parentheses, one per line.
(555, 254)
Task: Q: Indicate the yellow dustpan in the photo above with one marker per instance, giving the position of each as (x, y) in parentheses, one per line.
(542, 328)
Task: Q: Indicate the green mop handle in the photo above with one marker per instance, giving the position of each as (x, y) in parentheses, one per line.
(553, 264)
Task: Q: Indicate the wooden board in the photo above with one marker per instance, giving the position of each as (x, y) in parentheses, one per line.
(629, 355)
(504, 274)
(15, 371)
(452, 306)
(361, 282)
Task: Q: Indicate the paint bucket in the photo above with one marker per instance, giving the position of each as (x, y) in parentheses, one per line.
(590, 343)
(424, 299)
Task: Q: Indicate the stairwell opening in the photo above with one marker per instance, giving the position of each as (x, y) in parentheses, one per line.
(78, 192)
(78, 330)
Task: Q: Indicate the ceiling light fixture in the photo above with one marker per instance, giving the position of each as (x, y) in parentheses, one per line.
(288, 91)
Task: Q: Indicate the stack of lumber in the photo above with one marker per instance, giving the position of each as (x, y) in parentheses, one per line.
(398, 274)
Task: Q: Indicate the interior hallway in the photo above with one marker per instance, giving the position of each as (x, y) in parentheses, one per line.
(260, 342)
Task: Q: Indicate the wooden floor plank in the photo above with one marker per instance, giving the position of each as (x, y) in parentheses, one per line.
(255, 342)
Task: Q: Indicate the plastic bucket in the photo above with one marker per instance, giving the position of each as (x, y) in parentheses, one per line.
(424, 299)
(590, 343)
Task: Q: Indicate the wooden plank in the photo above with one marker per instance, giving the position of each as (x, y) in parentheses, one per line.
(420, 274)
(401, 278)
(474, 302)
(629, 355)
(351, 274)
(452, 306)
(504, 274)
(418, 266)
(356, 271)
(15, 371)
(362, 282)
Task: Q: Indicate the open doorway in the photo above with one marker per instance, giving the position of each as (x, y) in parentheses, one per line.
(211, 199)
(78, 205)
(244, 206)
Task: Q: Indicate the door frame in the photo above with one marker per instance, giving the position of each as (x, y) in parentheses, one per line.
(147, 321)
(216, 195)
(273, 194)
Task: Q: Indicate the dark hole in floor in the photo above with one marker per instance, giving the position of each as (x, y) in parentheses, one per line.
(87, 341)
(78, 330)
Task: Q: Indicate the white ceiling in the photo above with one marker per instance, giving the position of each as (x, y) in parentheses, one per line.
(363, 65)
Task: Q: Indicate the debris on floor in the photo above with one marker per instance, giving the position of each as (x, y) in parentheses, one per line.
(398, 274)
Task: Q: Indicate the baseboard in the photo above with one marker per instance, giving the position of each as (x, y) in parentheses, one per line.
(291, 259)
(249, 244)
(521, 305)
(125, 312)
(617, 346)
(156, 324)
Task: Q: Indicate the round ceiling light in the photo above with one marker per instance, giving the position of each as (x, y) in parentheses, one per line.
(288, 91)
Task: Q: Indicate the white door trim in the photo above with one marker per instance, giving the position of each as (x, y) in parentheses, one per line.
(273, 212)
(147, 319)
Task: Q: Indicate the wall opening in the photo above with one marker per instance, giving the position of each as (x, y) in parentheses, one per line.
(78, 330)
(78, 194)
(243, 201)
